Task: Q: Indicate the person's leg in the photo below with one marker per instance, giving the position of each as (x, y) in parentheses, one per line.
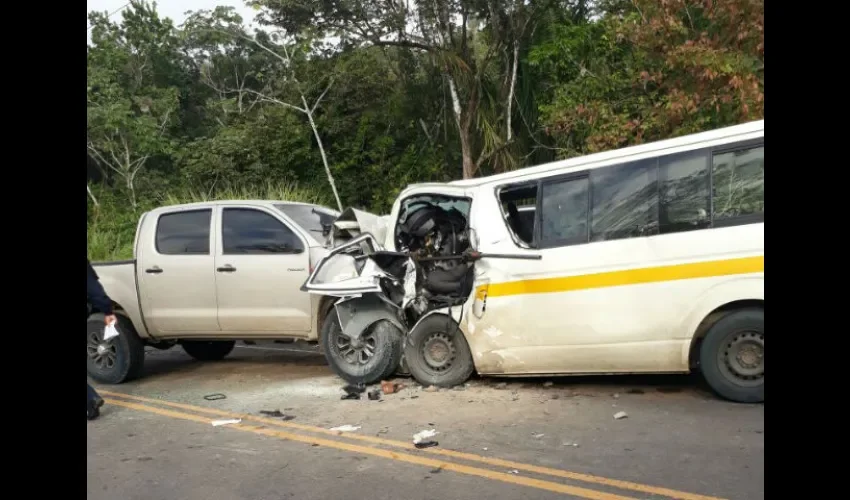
(93, 403)
(91, 394)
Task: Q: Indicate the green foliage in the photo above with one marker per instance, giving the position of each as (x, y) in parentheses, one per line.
(204, 110)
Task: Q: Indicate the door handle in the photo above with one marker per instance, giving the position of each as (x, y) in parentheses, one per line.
(153, 270)
(227, 268)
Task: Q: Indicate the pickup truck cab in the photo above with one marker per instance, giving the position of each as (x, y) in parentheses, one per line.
(207, 274)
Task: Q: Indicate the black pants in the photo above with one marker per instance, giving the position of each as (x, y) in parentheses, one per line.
(91, 395)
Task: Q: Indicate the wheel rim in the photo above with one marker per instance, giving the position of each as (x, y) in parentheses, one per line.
(356, 352)
(104, 354)
(439, 352)
(741, 358)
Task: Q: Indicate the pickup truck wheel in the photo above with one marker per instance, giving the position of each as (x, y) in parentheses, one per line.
(116, 360)
(437, 353)
(208, 350)
(732, 356)
(369, 359)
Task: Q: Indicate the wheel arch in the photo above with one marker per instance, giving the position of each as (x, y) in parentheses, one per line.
(715, 304)
(125, 301)
(326, 304)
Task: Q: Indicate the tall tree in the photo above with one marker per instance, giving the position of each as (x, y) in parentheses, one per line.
(464, 39)
(131, 102)
(649, 70)
(278, 80)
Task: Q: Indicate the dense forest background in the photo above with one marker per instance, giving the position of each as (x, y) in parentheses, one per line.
(345, 102)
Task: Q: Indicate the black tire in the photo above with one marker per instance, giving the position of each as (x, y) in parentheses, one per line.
(456, 365)
(208, 350)
(385, 339)
(117, 360)
(732, 356)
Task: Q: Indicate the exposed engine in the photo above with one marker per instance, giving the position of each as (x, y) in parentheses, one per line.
(435, 238)
(406, 294)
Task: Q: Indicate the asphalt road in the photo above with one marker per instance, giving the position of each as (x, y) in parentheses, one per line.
(540, 438)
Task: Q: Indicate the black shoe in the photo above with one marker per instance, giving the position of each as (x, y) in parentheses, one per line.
(93, 410)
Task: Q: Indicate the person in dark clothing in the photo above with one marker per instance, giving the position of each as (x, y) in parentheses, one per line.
(97, 297)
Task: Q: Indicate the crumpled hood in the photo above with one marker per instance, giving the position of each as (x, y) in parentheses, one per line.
(353, 222)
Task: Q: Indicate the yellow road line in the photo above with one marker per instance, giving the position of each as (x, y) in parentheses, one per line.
(401, 457)
(705, 269)
(496, 462)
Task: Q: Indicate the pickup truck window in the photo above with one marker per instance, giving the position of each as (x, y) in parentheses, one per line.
(312, 218)
(249, 231)
(184, 233)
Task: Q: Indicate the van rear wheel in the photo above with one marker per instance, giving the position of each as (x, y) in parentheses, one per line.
(732, 356)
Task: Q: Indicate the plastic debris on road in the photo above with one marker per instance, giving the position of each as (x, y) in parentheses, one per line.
(345, 428)
(423, 435)
(421, 439)
(217, 423)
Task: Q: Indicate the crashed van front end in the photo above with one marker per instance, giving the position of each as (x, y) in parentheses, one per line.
(399, 304)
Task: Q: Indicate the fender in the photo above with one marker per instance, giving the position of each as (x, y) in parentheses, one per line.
(441, 312)
(732, 290)
(359, 313)
(128, 299)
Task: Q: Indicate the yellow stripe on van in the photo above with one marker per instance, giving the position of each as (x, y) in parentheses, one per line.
(706, 269)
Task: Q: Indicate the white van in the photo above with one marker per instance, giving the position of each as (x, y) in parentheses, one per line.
(648, 259)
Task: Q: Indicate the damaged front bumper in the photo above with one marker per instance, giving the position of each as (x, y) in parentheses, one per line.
(379, 291)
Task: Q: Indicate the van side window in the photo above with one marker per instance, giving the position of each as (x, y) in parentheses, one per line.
(564, 211)
(184, 233)
(625, 201)
(519, 206)
(738, 178)
(684, 194)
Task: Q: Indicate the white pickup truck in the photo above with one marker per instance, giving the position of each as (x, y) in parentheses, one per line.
(208, 274)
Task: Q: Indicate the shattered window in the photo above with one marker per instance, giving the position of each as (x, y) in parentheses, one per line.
(683, 184)
(564, 212)
(738, 183)
(312, 218)
(519, 207)
(446, 203)
(625, 201)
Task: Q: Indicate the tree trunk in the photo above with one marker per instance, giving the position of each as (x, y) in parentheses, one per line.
(511, 91)
(466, 152)
(91, 195)
(132, 189)
(322, 151)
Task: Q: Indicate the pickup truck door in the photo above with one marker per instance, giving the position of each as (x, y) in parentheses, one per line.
(261, 262)
(176, 272)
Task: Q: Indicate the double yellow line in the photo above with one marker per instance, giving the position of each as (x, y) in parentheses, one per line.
(419, 458)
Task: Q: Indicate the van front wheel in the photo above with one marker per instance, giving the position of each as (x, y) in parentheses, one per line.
(437, 353)
(732, 356)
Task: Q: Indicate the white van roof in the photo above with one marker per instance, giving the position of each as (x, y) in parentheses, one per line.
(744, 131)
